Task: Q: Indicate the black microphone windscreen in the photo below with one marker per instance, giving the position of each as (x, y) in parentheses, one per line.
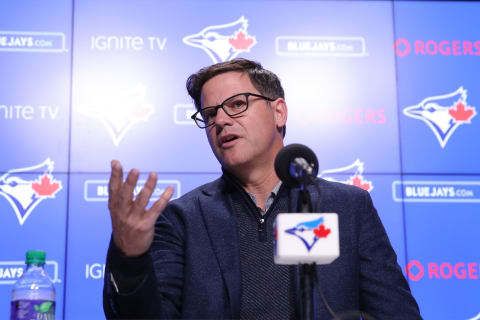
(286, 156)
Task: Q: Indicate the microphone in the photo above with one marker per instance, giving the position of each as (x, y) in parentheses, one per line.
(296, 165)
(303, 237)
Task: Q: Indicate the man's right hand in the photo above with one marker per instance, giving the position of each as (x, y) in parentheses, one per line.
(133, 225)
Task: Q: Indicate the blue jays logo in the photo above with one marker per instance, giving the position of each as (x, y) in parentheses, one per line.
(119, 110)
(310, 232)
(24, 195)
(223, 42)
(443, 114)
(356, 175)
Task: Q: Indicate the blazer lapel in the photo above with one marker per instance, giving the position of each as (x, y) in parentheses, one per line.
(219, 217)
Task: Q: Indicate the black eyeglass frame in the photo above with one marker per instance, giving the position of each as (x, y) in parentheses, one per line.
(246, 94)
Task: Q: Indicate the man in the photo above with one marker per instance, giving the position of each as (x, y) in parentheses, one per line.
(209, 254)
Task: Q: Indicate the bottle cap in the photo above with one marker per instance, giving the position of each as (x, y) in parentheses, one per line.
(35, 256)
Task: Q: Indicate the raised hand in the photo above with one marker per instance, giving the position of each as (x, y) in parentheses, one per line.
(132, 223)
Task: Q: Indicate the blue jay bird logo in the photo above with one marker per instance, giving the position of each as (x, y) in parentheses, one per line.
(24, 194)
(119, 109)
(223, 42)
(310, 232)
(356, 178)
(444, 113)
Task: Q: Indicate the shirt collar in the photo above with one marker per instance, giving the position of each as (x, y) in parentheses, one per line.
(270, 198)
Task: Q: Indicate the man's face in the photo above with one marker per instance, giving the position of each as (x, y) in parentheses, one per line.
(247, 139)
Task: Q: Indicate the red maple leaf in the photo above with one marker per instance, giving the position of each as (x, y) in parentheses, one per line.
(140, 112)
(241, 41)
(46, 188)
(321, 231)
(358, 182)
(459, 113)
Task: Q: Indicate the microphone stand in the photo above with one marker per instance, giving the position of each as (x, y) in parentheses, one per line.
(302, 172)
(307, 271)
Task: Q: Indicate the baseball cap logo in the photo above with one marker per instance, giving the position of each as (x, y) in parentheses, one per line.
(23, 194)
(223, 42)
(444, 113)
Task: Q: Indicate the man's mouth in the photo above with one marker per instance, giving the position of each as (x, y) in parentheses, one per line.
(227, 140)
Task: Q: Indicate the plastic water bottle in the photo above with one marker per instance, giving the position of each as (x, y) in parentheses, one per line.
(33, 296)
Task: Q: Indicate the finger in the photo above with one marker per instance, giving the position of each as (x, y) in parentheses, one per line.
(144, 196)
(159, 205)
(126, 191)
(116, 178)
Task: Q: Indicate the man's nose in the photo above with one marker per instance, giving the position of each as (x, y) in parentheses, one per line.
(222, 118)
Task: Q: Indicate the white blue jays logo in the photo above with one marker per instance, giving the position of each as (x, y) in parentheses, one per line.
(443, 114)
(309, 232)
(356, 175)
(223, 42)
(24, 195)
(119, 110)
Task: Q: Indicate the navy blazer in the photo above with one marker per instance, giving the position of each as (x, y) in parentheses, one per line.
(192, 269)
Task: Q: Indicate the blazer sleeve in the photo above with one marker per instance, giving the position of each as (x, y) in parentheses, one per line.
(384, 291)
(149, 286)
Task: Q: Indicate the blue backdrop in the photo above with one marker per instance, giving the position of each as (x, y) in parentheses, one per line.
(385, 92)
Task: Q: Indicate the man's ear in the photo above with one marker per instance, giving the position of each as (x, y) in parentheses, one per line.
(280, 112)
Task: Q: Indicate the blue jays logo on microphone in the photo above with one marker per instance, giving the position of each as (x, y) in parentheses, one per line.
(310, 232)
(24, 195)
(444, 113)
(223, 42)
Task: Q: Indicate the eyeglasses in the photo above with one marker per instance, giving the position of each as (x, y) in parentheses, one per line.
(233, 106)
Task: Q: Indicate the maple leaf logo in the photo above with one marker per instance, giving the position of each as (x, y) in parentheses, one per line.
(223, 42)
(47, 186)
(358, 181)
(118, 109)
(462, 113)
(140, 113)
(25, 194)
(354, 171)
(443, 113)
(309, 232)
(241, 41)
(321, 231)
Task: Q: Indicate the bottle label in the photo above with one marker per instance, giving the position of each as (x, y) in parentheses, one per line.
(33, 310)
